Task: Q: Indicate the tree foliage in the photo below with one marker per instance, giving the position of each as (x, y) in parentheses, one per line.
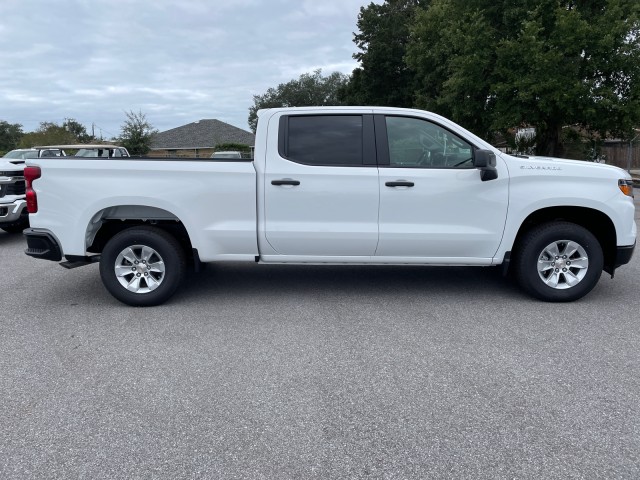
(48, 133)
(310, 89)
(240, 147)
(136, 133)
(78, 130)
(10, 135)
(494, 65)
(383, 77)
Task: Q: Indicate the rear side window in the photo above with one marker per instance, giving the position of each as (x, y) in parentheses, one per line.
(322, 139)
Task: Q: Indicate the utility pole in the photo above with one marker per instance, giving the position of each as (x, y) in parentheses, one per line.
(630, 152)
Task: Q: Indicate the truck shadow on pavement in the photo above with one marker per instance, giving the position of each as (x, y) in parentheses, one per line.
(11, 239)
(237, 279)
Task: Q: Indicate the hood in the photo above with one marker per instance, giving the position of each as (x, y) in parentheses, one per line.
(575, 167)
(6, 166)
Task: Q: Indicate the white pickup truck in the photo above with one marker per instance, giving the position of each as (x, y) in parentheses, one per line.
(336, 185)
(13, 211)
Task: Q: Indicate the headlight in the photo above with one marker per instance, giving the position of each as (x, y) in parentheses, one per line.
(626, 187)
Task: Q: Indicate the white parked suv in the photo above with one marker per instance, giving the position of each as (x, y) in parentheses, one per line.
(105, 150)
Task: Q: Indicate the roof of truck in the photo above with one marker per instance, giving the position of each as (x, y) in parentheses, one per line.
(78, 146)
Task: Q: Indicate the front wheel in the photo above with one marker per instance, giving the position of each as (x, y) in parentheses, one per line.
(16, 227)
(558, 262)
(142, 266)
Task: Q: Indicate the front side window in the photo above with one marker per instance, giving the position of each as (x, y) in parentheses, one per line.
(324, 140)
(418, 143)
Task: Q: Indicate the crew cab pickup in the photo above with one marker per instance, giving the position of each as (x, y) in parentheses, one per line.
(13, 206)
(336, 185)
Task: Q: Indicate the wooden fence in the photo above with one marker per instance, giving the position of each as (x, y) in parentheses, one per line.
(618, 154)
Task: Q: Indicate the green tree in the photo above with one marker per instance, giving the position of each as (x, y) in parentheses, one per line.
(383, 77)
(10, 135)
(493, 65)
(310, 89)
(79, 131)
(48, 133)
(583, 69)
(240, 147)
(136, 133)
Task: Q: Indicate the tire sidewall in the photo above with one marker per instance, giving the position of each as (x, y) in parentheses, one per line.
(17, 227)
(163, 243)
(538, 239)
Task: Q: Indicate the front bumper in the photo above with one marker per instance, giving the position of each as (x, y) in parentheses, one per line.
(42, 245)
(12, 212)
(623, 255)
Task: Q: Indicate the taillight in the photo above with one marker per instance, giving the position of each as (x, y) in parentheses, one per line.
(30, 174)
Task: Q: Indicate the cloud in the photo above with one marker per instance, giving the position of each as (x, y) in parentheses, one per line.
(92, 60)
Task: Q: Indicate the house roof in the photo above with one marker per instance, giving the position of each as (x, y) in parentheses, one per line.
(206, 133)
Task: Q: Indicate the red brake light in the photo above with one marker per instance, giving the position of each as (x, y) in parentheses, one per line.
(31, 174)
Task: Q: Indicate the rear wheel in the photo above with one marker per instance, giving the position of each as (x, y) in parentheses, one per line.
(142, 266)
(559, 262)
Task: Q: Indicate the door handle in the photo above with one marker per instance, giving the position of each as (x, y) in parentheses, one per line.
(401, 183)
(285, 182)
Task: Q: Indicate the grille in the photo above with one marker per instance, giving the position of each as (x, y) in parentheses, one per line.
(17, 188)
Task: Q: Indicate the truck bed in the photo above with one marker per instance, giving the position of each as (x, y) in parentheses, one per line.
(215, 200)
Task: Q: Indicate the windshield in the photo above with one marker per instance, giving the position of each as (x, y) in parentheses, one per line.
(22, 154)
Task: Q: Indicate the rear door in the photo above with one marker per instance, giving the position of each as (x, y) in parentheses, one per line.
(321, 186)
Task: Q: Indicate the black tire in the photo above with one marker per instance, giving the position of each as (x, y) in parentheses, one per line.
(167, 255)
(543, 275)
(16, 227)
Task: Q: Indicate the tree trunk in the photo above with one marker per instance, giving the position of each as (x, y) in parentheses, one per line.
(549, 143)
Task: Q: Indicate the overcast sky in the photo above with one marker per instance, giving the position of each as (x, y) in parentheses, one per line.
(177, 61)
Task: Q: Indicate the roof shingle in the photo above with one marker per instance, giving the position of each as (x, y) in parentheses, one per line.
(206, 133)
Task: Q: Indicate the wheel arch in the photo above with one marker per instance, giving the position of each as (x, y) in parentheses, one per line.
(597, 222)
(112, 220)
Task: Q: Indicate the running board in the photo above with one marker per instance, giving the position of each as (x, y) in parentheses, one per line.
(75, 261)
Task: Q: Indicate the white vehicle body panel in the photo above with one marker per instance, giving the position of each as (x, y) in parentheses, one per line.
(538, 183)
(214, 200)
(333, 212)
(413, 222)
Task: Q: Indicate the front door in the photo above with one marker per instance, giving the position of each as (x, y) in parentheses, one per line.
(433, 204)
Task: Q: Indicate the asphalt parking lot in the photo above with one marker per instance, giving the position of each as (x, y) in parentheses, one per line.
(316, 372)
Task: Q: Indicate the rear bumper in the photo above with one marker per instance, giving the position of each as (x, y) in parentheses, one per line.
(12, 212)
(42, 245)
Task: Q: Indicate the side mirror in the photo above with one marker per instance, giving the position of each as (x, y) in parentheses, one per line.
(485, 161)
